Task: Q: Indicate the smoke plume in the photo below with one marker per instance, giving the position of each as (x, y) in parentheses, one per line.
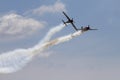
(15, 60)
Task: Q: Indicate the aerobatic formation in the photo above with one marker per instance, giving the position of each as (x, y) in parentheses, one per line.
(13, 61)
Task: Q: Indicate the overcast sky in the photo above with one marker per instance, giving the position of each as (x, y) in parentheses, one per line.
(95, 55)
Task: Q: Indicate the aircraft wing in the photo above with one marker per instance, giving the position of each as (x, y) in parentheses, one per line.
(93, 29)
(74, 26)
(66, 15)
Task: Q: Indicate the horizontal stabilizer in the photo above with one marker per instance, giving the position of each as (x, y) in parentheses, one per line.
(64, 22)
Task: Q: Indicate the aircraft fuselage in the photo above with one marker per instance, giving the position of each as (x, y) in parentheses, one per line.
(69, 21)
(86, 28)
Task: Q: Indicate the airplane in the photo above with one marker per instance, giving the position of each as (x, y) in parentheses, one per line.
(69, 21)
(72, 22)
(86, 28)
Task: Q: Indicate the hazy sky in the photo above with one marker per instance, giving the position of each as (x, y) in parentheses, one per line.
(95, 55)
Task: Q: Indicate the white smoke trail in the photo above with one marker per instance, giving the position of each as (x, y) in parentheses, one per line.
(51, 33)
(15, 60)
(58, 41)
(55, 42)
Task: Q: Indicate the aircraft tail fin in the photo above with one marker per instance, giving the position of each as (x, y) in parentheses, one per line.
(64, 22)
(82, 28)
